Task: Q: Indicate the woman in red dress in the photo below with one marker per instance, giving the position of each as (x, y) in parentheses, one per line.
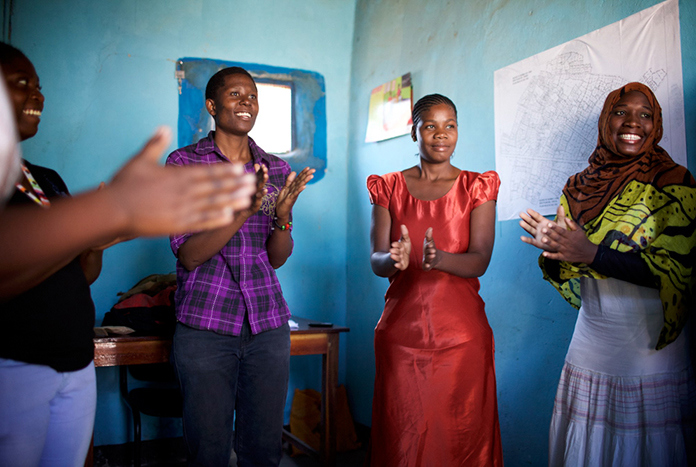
(435, 394)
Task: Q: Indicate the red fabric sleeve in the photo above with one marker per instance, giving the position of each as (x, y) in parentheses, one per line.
(485, 188)
(380, 191)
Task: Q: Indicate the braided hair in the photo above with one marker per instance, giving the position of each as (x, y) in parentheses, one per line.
(217, 81)
(424, 104)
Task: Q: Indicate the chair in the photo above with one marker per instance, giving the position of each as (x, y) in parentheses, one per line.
(161, 399)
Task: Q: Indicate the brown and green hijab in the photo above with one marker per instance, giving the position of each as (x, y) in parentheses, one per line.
(644, 205)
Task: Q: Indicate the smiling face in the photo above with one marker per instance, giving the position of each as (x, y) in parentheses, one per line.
(25, 94)
(236, 106)
(436, 133)
(630, 123)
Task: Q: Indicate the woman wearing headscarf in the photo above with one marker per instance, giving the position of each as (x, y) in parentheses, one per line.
(621, 250)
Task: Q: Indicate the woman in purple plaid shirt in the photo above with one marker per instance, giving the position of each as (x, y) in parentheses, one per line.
(231, 347)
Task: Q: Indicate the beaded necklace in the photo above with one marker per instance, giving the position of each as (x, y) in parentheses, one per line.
(40, 198)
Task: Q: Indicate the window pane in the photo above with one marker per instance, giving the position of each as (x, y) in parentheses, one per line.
(273, 128)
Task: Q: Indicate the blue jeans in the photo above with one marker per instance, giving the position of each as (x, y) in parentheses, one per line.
(219, 374)
(46, 417)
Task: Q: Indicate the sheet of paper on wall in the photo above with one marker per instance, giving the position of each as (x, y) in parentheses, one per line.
(390, 110)
(547, 106)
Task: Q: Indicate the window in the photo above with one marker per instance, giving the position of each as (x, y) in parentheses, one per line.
(273, 129)
(292, 110)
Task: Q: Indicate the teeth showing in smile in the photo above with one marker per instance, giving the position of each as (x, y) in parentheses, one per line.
(629, 137)
(244, 114)
(32, 112)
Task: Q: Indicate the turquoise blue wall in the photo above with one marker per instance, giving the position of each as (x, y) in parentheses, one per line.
(108, 74)
(454, 48)
(107, 71)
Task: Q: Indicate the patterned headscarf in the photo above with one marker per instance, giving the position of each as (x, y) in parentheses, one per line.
(646, 205)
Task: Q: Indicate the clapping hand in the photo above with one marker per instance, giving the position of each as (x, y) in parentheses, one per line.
(294, 185)
(400, 252)
(537, 226)
(261, 174)
(154, 200)
(431, 255)
(563, 240)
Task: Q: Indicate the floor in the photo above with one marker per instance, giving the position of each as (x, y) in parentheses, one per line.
(170, 452)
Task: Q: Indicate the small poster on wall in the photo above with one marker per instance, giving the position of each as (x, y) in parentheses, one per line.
(390, 110)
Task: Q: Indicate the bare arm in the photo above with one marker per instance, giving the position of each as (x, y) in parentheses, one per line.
(144, 198)
(90, 261)
(279, 245)
(387, 257)
(30, 256)
(475, 261)
(30, 276)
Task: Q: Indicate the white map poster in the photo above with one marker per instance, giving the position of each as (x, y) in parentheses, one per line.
(547, 106)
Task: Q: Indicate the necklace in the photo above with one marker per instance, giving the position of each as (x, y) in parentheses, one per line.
(39, 197)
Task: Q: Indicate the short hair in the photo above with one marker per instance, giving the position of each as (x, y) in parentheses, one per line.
(8, 53)
(426, 102)
(218, 80)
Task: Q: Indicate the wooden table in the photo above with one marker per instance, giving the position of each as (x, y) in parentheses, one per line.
(307, 340)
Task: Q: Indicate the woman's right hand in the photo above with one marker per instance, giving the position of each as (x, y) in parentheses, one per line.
(563, 240)
(151, 200)
(431, 255)
(400, 251)
(261, 190)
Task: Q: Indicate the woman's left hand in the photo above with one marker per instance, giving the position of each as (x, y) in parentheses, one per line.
(287, 195)
(431, 255)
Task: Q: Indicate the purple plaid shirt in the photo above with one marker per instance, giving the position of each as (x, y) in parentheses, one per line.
(239, 279)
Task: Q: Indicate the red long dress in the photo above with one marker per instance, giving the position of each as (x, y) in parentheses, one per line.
(435, 396)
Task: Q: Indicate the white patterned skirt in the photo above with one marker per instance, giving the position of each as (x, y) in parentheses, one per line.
(619, 401)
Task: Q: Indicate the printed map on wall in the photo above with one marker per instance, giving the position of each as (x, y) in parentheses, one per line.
(547, 106)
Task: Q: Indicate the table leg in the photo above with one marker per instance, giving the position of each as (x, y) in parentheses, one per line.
(328, 401)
